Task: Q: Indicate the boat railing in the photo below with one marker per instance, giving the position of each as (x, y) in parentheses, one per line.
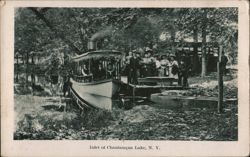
(163, 81)
(90, 78)
(83, 79)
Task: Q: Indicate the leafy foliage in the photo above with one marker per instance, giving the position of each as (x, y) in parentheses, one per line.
(68, 30)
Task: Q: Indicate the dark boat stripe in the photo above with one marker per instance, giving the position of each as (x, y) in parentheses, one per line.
(81, 99)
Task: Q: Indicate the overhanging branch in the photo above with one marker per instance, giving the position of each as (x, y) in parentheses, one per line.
(55, 31)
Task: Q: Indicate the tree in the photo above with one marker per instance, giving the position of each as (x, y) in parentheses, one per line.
(58, 33)
(216, 24)
(69, 29)
(27, 36)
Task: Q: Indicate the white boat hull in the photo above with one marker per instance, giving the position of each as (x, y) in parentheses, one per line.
(106, 88)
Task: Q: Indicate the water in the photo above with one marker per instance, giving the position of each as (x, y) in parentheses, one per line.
(109, 104)
(100, 101)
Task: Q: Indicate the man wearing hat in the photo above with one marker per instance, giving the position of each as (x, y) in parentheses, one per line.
(183, 72)
(133, 68)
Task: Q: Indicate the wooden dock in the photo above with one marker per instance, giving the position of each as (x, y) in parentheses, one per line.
(149, 85)
(162, 81)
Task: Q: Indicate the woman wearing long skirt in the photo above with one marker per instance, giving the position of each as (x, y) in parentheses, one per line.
(173, 68)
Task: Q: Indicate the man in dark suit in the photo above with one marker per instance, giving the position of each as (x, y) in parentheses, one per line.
(133, 68)
(183, 71)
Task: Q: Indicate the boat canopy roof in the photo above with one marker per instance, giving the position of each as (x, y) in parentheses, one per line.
(97, 54)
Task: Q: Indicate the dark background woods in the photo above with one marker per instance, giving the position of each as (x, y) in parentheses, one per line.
(48, 36)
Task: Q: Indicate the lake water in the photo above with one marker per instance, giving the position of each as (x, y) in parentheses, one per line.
(109, 104)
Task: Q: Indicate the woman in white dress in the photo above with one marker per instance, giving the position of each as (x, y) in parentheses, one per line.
(164, 65)
(173, 68)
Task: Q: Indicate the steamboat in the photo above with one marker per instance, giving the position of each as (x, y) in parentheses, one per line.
(96, 72)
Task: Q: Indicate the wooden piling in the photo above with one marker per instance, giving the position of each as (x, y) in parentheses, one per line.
(220, 81)
(134, 86)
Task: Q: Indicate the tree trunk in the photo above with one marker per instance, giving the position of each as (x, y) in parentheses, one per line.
(33, 70)
(17, 68)
(196, 66)
(32, 59)
(27, 66)
(203, 56)
(23, 59)
(172, 40)
(172, 34)
(195, 34)
(58, 33)
(204, 36)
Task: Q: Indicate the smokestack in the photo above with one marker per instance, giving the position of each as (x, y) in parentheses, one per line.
(103, 33)
(92, 45)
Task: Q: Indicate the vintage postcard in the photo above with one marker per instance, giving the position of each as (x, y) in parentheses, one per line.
(125, 78)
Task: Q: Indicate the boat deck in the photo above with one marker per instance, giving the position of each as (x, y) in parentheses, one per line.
(156, 86)
(150, 85)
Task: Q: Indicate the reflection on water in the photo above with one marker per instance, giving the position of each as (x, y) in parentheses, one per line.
(125, 103)
(101, 101)
(109, 104)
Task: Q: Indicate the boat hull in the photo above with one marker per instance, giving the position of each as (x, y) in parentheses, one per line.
(106, 88)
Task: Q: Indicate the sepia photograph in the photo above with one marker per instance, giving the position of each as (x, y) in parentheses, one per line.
(124, 78)
(126, 74)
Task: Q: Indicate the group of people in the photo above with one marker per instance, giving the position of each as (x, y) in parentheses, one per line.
(137, 65)
(162, 66)
(98, 71)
